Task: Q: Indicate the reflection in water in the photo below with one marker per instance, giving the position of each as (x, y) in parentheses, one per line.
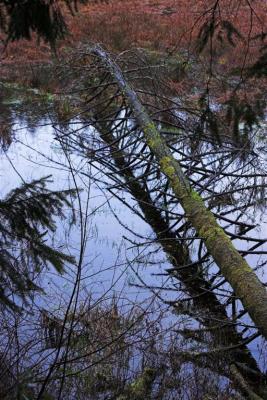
(138, 241)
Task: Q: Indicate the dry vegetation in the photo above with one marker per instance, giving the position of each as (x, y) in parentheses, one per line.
(165, 26)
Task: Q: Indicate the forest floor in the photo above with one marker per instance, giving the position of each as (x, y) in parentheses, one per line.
(165, 26)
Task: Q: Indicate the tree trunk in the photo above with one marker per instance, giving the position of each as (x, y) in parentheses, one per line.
(234, 268)
(209, 311)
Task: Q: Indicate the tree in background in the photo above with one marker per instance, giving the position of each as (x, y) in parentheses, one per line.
(19, 19)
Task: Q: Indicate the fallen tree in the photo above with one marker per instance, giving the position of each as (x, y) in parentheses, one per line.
(233, 266)
(208, 310)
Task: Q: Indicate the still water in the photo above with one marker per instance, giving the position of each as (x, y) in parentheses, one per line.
(112, 265)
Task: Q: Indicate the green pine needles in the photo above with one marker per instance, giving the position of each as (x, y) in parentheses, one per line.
(27, 214)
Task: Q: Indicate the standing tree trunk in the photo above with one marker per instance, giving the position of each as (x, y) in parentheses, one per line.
(233, 266)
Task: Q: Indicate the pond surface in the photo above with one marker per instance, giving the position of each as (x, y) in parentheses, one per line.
(113, 265)
(36, 154)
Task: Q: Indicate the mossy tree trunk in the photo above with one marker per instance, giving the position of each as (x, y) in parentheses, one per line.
(233, 266)
(205, 302)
